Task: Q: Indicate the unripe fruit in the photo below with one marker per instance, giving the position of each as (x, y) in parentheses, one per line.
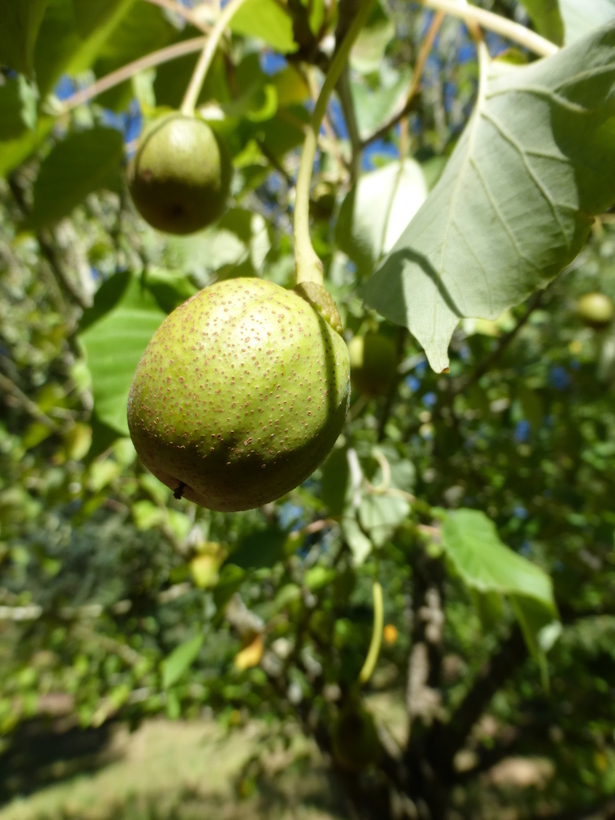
(595, 310)
(373, 363)
(355, 739)
(240, 394)
(180, 176)
(322, 199)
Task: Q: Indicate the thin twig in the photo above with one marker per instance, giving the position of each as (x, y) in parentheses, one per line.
(164, 55)
(207, 55)
(504, 342)
(182, 11)
(494, 22)
(417, 74)
(348, 110)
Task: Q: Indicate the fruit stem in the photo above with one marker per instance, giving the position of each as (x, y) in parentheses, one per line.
(374, 647)
(202, 67)
(308, 267)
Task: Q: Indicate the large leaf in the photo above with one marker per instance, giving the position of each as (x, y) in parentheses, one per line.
(21, 20)
(260, 549)
(82, 163)
(488, 567)
(374, 107)
(62, 47)
(91, 14)
(143, 29)
(515, 202)
(375, 212)
(581, 16)
(471, 541)
(240, 240)
(18, 100)
(15, 150)
(546, 17)
(117, 331)
(180, 660)
(368, 51)
(266, 20)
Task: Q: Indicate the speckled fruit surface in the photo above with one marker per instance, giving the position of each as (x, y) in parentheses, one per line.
(373, 363)
(240, 395)
(180, 175)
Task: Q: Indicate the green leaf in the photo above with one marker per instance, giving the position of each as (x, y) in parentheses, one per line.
(114, 345)
(143, 29)
(21, 20)
(16, 150)
(375, 107)
(368, 51)
(533, 619)
(515, 202)
(471, 541)
(489, 568)
(260, 549)
(380, 515)
(360, 545)
(82, 163)
(229, 582)
(169, 288)
(285, 132)
(488, 606)
(91, 14)
(61, 47)
(180, 660)
(18, 101)
(319, 577)
(336, 492)
(240, 236)
(581, 17)
(265, 20)
(546, 17)
(375, 212)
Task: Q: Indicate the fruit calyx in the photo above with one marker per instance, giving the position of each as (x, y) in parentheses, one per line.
(322, 301)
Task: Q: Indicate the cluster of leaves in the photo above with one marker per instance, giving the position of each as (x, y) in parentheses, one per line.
(479, 499)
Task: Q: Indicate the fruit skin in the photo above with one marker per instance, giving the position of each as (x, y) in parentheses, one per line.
(355, 740)
(373, 363)
(240, 394)
(180, 176)
(596, 310)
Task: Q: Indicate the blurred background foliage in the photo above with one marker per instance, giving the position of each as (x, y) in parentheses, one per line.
(119, 604)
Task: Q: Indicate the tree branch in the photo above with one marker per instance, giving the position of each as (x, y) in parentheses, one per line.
(417, 74)
(503, 343)
(346, 101)
(447, 739)
(164, 55)
(182, 11)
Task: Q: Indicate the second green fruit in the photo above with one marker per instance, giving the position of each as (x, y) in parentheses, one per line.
(373, 363)
(180, 176)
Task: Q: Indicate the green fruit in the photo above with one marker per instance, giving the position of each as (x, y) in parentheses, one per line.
(180, 176)
(240, 394)
(355, 739)
(596, 310)
(373, 363)
(322, 200)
